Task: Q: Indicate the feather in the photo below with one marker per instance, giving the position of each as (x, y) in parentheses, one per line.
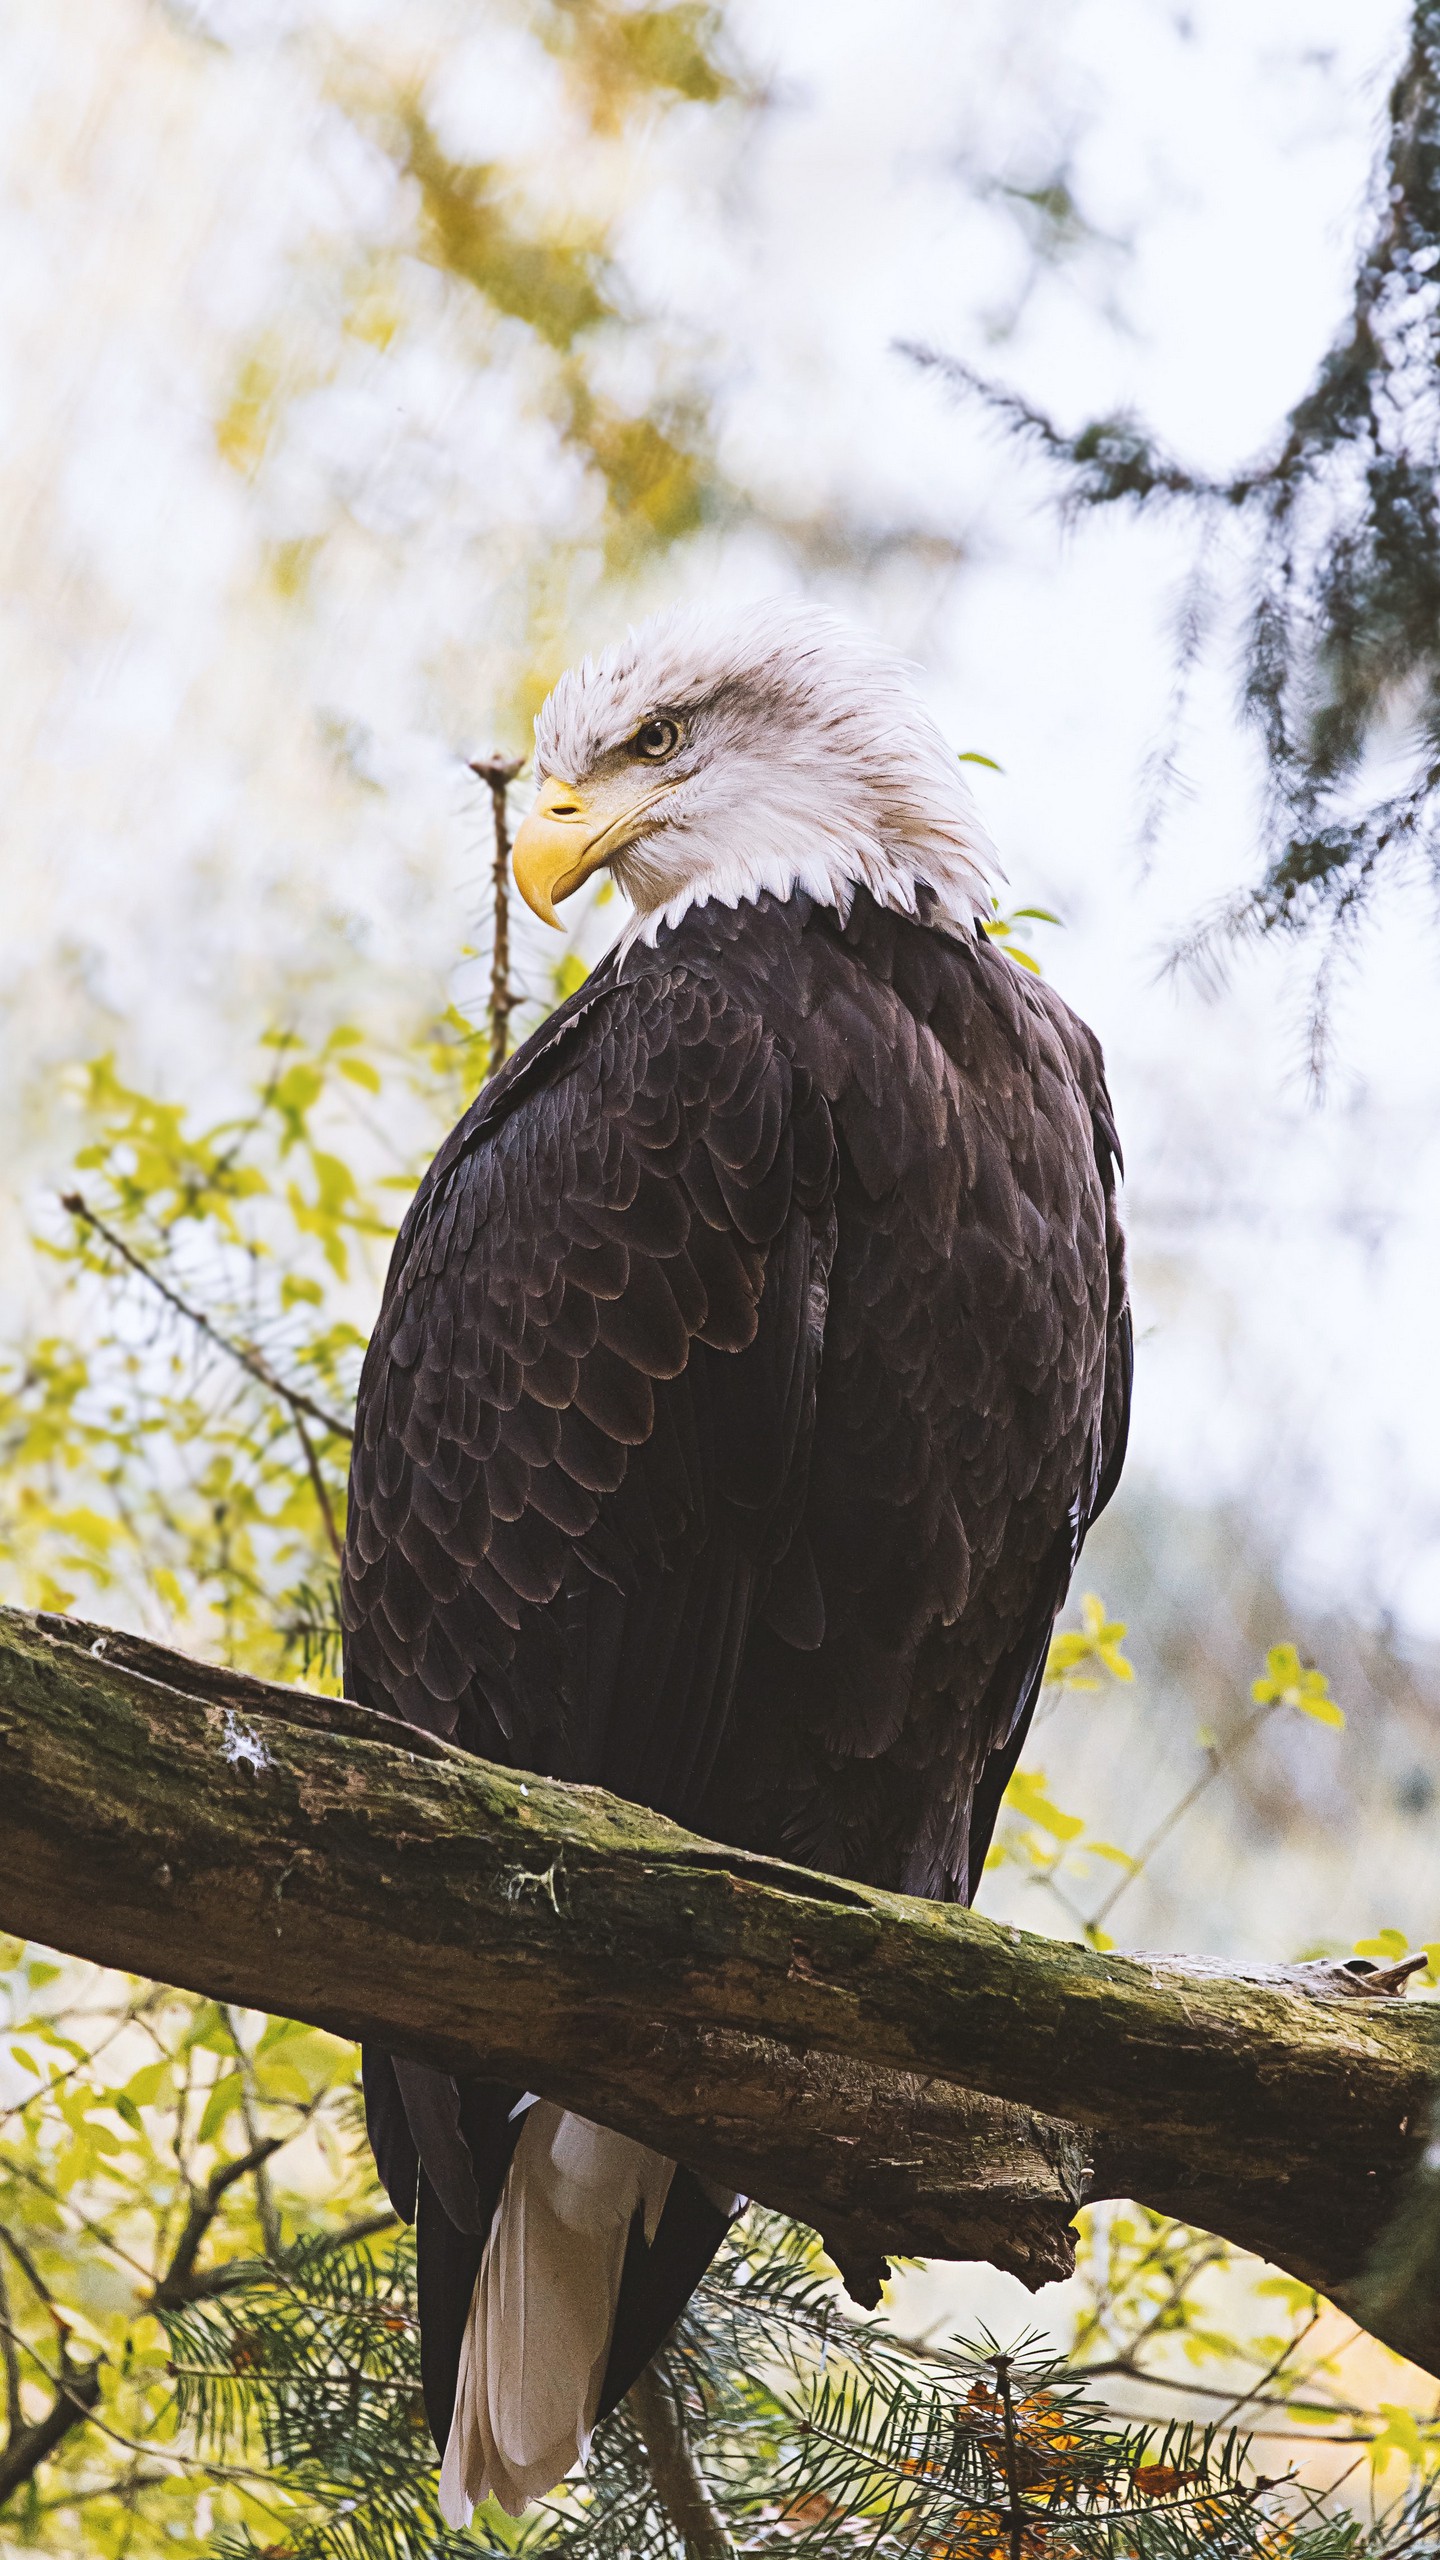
(537, 2343)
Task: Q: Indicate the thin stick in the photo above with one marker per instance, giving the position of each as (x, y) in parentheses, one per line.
(14, 2414)
(319, 1487)
(1219, 1759)
(680, 2485)
(244, 1353)
(1016, 2517)
(497, 773)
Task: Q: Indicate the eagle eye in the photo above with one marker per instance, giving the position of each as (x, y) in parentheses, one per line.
(657, 738)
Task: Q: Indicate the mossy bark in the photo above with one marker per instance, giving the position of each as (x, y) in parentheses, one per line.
(906, 2075)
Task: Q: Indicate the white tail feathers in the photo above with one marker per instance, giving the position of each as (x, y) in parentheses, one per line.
(537, 2342)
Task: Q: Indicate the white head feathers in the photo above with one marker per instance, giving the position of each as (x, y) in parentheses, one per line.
(805, 760)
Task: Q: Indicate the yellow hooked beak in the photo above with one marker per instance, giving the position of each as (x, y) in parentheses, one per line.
(569, 833)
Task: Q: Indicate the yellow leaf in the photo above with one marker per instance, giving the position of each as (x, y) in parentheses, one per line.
(1286, 1681)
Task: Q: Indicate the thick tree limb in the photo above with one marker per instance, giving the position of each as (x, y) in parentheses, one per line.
(869, 2062)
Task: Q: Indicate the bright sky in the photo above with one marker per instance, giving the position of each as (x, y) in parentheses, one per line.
(181, 855)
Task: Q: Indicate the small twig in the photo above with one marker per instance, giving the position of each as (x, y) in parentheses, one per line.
(264, 2193)
(87, 2493)
(1272, 2373)
(248, 1358)
(70, 2385)
(30, 2272)
(317, 1480)
(1218, 1760)
(238, 2274)
(14, 2420)
(73, 2216)
(47, 2088)
(1016, 2517)
(497, 773)
(178, 2283)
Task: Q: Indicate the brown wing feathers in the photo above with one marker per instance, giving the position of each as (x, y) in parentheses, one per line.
(752, 1360)
(610, 1511)
(573, 1382)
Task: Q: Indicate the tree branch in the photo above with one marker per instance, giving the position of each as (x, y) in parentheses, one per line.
(180, 2282)
(904, 2075)
(76, 2395)
(658, 2409)
(243, 1353)
(497, 773)
(9, 2355)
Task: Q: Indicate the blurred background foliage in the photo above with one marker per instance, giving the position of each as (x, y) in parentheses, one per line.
(413, 370)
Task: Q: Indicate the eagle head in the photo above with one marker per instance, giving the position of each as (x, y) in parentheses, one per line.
(720, 753)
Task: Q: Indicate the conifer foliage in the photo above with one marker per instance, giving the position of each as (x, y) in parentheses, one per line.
(1341, 525)
(793, 2426)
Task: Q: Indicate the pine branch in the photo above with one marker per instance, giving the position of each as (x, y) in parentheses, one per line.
(239, 2275)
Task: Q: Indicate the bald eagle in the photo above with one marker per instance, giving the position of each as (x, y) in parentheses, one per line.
(753, 1360)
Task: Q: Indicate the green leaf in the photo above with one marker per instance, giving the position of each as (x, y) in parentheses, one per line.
(224, 2098)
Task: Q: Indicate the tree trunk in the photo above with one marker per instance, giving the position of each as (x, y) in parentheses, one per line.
(904, 2075)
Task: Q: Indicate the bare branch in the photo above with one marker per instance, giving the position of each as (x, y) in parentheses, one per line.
(264, 2193)
(13, 2418)
(77, 2390)
(497, 773)
(318, 1486)
(244, 1354)
(179, 2283)
(239, 2273)
(658, 2411)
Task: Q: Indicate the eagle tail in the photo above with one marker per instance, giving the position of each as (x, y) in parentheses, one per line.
(552, 2261)
(542, 2319)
